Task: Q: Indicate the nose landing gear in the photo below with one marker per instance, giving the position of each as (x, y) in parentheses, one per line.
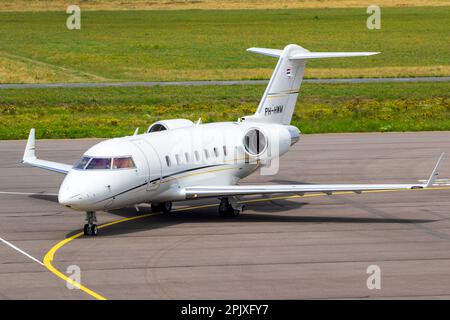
(90, 228)
(229, 207)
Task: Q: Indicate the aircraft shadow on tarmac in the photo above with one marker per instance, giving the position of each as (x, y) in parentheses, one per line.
(260, 212)
(257, 212)
(276, 206)
(46, 197)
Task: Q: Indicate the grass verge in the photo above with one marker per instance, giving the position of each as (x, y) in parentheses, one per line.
(211, 44)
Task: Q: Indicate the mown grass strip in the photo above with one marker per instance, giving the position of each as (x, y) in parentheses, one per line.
(211, 44)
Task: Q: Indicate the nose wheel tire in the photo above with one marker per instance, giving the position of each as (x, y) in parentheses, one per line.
(164, 207)
(90, 230)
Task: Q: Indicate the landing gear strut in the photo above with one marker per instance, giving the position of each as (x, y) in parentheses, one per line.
(90, 228)
(164, 207)
(229, 207)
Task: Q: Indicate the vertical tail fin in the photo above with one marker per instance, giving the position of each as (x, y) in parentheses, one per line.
(278, 102)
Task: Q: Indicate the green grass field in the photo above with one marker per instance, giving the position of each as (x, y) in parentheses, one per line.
(210, 44)
(112, 112)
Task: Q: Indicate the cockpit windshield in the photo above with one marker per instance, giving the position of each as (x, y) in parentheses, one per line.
(88, 163)
(82, 163)
(99, 163)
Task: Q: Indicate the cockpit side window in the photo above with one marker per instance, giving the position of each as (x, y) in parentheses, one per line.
(99, 163)
(82, 163)
(123, 163)
(88, 163)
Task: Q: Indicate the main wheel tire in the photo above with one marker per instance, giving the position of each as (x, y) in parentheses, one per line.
(223, 213)
(224, 209)
(155, 207)
(94, 230)
(166, 207)
(86, 229)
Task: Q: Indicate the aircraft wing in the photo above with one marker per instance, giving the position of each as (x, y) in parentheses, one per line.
(240, 190)
(29, 157)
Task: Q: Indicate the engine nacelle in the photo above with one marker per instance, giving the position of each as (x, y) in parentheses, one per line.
(169, 125)
(268, 141)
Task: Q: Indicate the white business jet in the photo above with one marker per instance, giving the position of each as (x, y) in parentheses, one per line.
(177, 159)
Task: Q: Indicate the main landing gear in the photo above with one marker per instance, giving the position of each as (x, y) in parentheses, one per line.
(164, 207)
(90, 228)
(229, 207)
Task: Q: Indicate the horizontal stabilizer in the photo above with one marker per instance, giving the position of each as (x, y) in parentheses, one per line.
(316, 55)
(267, 52)
(305, 54)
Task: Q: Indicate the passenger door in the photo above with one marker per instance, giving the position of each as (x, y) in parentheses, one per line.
(153, 163)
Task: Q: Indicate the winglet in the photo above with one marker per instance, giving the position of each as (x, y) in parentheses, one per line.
(30, 148)
(435, 172)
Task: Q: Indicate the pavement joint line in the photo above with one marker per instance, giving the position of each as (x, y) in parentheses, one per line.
(49, 256)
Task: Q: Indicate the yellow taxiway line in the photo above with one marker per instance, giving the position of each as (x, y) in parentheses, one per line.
(49, 256)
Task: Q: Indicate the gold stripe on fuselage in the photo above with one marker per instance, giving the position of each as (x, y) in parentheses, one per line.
(210, 171)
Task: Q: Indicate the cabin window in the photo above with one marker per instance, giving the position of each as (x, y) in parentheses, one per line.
(197, 156)
(186, 155)
(123, 163)
(216, 152)
(82, 163)
(177, 158)
(225, 151)
(206, 154)
(99, 163)
(168, 161)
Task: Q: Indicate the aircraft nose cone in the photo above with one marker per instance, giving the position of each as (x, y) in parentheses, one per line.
(71, 192)
(70, 199)
(79, 192)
